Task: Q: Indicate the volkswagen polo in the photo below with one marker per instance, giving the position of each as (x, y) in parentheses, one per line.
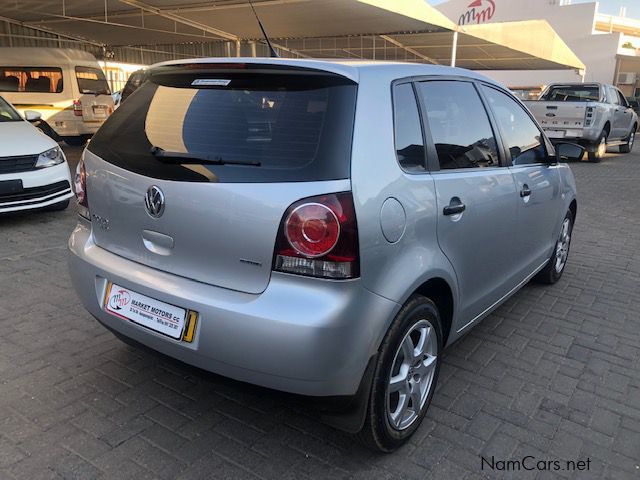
(324, 228)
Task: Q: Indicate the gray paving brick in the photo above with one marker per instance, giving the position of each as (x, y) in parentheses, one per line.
(554, 372)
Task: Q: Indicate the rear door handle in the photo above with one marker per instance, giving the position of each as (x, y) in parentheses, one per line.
(526, 191)
(455, 207)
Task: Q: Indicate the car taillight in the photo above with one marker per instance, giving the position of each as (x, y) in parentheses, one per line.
(318, 237)
(77, 108)
(80, 188)
(588, 119)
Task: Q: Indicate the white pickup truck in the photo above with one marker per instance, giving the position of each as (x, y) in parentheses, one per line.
(594, 115)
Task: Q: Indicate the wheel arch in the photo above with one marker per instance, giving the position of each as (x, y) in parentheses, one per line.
(437, 289)
(573, 206)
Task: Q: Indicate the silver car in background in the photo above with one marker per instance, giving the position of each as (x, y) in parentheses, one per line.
(322, 228)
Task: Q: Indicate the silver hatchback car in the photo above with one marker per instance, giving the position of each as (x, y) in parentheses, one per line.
(324, 228)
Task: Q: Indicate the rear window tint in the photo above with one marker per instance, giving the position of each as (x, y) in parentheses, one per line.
(92, 81)
(573, 93)
(289, 127)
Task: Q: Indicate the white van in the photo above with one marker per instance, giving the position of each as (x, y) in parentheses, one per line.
(67, 87)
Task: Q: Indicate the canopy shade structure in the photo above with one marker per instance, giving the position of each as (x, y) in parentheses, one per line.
(538, 49)
(372, 29)
(139, 22)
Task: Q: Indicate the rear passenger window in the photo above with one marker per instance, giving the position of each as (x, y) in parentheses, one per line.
(408, 130)
(520, 133)
(459, 125)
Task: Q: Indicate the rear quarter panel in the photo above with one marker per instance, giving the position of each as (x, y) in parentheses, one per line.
(392, 270)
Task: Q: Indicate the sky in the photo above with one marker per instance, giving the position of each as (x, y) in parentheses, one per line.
(611, 7)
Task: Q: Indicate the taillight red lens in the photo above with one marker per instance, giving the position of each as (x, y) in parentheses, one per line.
(319, 237)
(312, 229)
(80, 188)
(77, 108)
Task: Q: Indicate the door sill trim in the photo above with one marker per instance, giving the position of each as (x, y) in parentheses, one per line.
(495, 305)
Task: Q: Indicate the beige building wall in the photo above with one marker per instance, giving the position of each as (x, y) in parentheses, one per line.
(574, 23)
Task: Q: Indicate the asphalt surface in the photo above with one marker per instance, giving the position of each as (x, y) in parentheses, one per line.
(552, 376)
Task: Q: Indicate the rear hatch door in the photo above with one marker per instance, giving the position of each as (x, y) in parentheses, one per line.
(559, 115)
(564, 107)
(95, 95)
(228, 151)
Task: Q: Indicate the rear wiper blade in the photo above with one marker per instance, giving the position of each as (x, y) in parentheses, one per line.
(200, 159)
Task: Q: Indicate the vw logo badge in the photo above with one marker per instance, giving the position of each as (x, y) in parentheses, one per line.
(154, 201)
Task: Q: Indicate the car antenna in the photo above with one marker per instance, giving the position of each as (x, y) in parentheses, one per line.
(272, 51)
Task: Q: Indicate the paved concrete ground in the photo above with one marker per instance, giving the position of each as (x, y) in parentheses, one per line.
(554, 374)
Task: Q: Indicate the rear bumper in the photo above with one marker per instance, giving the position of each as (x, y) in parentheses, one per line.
(585, 137)
(589, 145)
(301, 335)
(41, 188)
(76, 128)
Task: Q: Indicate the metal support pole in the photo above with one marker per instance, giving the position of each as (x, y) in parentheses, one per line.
(454, 49)
(238, 47)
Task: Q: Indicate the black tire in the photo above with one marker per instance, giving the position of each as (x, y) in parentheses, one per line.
(598, 154)
(377, 433)
(57, 207)
(550, 273)
(627, 147)
(75, 141)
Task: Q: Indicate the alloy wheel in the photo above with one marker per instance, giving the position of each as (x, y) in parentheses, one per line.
(562, 247)
(602, 147)
(411, 375)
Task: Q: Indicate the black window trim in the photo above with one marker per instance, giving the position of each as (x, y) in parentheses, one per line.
(433, 161)
(394, 84)
(548, 146)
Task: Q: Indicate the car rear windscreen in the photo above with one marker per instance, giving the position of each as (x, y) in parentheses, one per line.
(92, 81)
(580, 93)
(229, 126)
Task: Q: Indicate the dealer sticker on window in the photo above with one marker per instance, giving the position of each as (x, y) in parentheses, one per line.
(211, 82)
(154, 314)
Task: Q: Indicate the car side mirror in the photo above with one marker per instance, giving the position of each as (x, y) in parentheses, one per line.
(32, 115)
(568, 151)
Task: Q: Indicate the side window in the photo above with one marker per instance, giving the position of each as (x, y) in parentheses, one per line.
(408, 130)
(459, 125)
(31, 79)
(613, 96)
(522, 136)
(621, 99)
